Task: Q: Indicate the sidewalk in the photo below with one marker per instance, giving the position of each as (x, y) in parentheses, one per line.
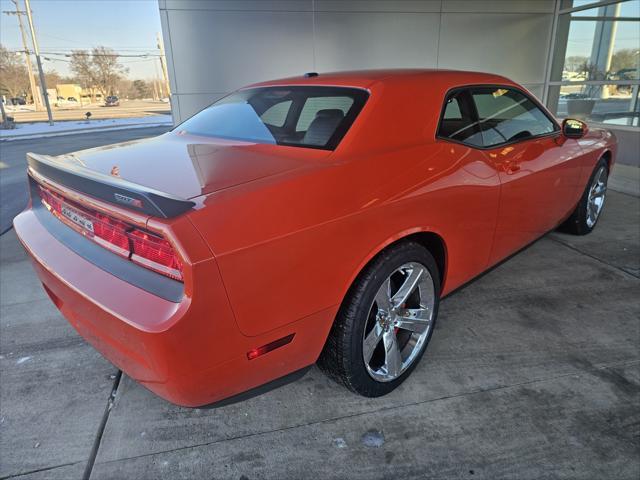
(43, 129)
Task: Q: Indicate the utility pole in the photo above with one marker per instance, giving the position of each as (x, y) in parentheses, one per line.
(35, 94)
(161, 87)
(163, 64)
(156, 97)
(43, 83)
(5, 120)
(157, 87)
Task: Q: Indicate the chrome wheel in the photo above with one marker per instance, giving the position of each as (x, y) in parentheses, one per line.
(399, 322)
(596, 196)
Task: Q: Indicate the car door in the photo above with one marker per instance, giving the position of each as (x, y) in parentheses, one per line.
(538, 167)
(473, 189)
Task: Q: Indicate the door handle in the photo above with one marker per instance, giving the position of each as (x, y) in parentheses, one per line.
(510, 167)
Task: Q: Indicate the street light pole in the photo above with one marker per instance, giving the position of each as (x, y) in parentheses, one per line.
(43, 84)
(35, 94)
(163, 65)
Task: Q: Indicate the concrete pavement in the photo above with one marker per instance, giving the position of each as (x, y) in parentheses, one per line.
(533, 372)
(625, 179)
(53, 388)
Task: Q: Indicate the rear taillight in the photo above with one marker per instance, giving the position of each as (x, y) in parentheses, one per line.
(155, 253)
(112, 234)
(144, 248)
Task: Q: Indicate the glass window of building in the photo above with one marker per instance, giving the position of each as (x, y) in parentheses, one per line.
(595, 69)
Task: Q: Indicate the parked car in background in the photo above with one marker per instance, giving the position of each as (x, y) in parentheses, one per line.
(319, 218)
(17, 101)
(63, 102)
(112, 101)
(72, 99)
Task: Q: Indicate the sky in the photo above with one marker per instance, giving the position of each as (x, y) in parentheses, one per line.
(581, 37)
(582, 32)
(127, 26)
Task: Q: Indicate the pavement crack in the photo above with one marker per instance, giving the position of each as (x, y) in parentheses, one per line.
(575, 249)
(38, 470)
(625, 193)
(354, 415)
(103, 423)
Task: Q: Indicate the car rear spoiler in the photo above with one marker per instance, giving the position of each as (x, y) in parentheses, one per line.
(108, 188)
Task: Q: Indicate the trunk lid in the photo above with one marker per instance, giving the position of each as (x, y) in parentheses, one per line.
(187, 166)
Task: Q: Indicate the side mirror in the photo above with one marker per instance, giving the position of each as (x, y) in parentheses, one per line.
(572, 128)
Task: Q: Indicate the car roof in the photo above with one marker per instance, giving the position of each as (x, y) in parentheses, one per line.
(404, 104)
(366, 78)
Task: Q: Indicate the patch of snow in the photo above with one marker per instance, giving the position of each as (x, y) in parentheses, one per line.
(41, 129)
(21, 360)
(373, 438)
(340, 442)
(19, 108)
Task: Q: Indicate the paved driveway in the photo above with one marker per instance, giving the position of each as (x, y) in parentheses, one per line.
(533, 372)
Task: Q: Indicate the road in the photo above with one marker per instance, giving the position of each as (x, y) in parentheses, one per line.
(127, 109)
(13, 180)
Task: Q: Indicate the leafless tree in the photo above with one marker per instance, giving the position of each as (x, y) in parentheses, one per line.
(99, 69)
(14, 80)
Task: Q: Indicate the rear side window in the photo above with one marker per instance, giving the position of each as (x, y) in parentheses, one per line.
(452, 109)
(300, 116)
(506, 115)
(458, 120)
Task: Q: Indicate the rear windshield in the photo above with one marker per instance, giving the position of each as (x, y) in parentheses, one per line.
(314, 117)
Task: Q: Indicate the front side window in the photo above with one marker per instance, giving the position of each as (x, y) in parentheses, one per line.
(301, 116)
(506, 115)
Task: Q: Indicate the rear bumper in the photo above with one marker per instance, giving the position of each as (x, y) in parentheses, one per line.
(190, 352)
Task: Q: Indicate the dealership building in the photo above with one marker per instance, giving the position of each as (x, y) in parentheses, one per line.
(579, 57)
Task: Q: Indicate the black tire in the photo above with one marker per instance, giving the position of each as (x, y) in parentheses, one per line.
(342, 356)
(577, 223)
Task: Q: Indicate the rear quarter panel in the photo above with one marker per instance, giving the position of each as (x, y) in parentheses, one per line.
(290, 248)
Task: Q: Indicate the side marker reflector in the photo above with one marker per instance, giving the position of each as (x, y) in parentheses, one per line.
(281, 342)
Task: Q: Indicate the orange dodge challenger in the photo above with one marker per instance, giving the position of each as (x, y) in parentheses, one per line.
(311, 219)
